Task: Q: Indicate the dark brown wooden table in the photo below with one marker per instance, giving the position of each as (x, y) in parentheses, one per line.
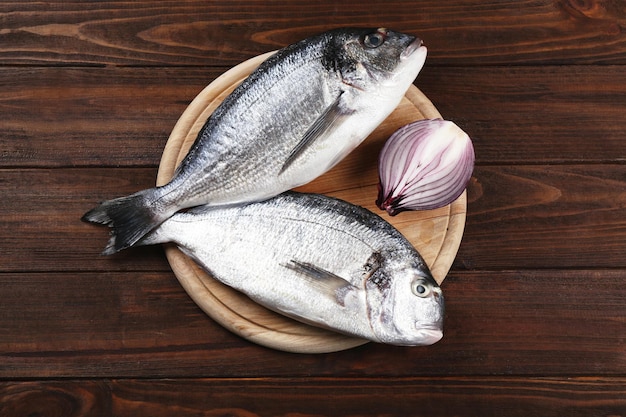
(536, 299)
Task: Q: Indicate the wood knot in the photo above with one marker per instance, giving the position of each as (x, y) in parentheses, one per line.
(584, 9)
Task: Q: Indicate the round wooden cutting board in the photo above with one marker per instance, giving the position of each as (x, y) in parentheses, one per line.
(436, 233)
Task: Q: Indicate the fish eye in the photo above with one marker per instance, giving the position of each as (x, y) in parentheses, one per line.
(421, 288)
(374, 40)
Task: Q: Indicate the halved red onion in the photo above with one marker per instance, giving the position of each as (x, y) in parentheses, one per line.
(423, 166)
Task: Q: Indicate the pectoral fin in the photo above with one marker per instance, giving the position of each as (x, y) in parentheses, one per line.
(330, 118)
(327, 282)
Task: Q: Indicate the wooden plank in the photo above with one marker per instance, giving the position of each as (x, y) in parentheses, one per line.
(519, 217)
(66, 116)
(41, 227)
(538, 114)
(143, 325)
(212, 33)
(545, 216)
(311, 397)
(123, 116)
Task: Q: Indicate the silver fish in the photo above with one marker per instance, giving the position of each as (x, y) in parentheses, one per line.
(297, 115)
(316, 259)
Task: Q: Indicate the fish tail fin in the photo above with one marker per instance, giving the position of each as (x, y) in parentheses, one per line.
(130, 218)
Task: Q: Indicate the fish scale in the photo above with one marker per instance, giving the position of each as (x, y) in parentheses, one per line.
(317, 259)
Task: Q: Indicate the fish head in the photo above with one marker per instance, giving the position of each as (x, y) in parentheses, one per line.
(406, 306)
(373, 58)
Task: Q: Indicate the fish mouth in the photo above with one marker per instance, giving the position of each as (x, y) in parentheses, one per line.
(429, 336)
(423, 336)
(415, 45)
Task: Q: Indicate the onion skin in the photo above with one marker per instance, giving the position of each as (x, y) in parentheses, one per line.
(424, 165)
